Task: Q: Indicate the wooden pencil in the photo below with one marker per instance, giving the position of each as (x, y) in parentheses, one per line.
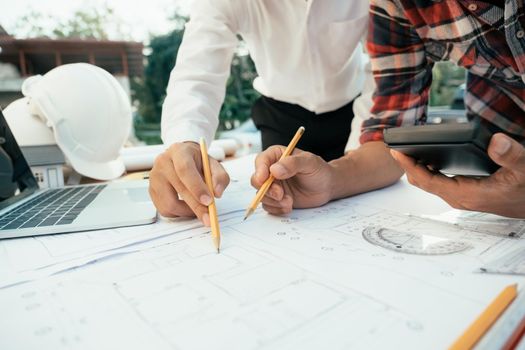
(266, 185)
(212, 208)
(487, 318)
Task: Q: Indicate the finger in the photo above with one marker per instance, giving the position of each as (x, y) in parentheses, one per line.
(404, 161)
(220, 178)
(276, 191)
(300, 163)
(188, 206)
(199, 210)
(285, 202)
(263, 161)
(166, 199)
(163, 191)
(419, 175)
(277, 210)
(451, 189)
(192, 182)
(507, 152)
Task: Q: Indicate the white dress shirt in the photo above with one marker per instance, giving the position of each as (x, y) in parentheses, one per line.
(306, 52)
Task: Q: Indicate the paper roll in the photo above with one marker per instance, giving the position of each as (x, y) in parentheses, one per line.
(230, 146)
(143, 157)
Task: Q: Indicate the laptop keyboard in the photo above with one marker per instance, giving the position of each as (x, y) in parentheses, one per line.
(52, 207)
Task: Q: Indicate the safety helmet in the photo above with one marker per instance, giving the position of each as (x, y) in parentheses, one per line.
(89, 112)
(28, 129)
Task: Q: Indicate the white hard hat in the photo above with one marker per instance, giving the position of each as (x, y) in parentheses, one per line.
(90, 115)
(28, 129)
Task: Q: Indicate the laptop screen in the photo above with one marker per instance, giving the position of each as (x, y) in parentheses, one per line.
(15, 175)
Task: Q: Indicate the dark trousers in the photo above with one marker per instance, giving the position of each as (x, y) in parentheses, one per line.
(326, 134)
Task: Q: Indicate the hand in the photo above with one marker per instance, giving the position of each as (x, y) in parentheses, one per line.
(502, 193)
(303, 180)
(177, 185)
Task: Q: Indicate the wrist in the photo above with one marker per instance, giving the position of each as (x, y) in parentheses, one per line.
(191, 145)
(339, 181)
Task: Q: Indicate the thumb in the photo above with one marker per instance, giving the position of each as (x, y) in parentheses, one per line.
(263, 161)
(507, 152)
(303, 163)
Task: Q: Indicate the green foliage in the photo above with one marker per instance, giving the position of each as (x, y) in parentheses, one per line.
(149, 91)
(91, 23)
(446, 78)
(240, 94)
(32, 25)
(88, 23)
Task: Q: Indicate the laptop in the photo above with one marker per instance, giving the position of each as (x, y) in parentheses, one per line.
(26, 210)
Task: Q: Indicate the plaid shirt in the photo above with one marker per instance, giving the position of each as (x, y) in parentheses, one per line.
(407, 36)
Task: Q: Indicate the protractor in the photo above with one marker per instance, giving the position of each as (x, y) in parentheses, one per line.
(412, 242)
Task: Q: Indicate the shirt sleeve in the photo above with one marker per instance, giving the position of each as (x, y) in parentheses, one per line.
(361, 108)
(197, 84)
(401, 71)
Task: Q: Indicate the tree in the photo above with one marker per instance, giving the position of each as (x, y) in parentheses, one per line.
(240, 94)
(446, 77)
(149, 91)
(88, 23)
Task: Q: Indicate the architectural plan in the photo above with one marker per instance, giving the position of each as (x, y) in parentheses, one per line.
(367, 272)
(30, 258)
(511, 263)
(310, 280)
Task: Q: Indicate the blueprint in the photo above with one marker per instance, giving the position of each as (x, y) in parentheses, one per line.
(348, 275)
(27, 259)
(512, 262)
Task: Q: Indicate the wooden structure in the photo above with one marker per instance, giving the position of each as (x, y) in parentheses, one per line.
(39, 55)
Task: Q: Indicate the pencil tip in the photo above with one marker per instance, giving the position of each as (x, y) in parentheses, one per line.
(247, 214)
(218, 250)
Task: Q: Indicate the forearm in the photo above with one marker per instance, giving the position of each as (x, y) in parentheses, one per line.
(368, 168)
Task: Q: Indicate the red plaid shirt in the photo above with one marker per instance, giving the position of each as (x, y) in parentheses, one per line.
(407, 36)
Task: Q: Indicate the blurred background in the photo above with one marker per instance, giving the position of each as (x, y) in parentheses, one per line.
(137, 42)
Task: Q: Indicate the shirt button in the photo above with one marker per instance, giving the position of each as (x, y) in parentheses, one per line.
(472, 7)
(520, 34)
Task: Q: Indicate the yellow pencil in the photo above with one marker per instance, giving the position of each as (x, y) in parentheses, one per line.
(266, 185)
(487, 318)
(212, 209)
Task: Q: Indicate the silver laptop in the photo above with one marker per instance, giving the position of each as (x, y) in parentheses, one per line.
(26, 210)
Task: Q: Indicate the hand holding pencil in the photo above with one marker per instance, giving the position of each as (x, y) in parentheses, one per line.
(301, 180)
(266, 185)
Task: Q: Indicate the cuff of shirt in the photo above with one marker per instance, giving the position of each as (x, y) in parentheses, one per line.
(186, 132)
(371, 135)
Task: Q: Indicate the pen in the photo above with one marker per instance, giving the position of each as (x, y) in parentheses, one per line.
(266, 185)
(212, 209)
(487, 318)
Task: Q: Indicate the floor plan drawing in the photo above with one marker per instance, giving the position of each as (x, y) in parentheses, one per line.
(511, 263)
(308, 280)
(29, 258)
